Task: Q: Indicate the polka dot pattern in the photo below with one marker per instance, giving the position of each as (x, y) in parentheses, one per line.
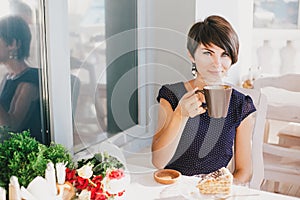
(206, 143)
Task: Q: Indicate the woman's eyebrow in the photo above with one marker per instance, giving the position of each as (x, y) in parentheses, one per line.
(207, 49)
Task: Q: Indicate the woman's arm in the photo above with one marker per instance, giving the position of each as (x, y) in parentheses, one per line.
(243, 151)
(170, 126)
(24, 95)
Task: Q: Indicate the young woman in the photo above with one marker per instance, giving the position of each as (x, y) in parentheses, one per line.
(187, 139)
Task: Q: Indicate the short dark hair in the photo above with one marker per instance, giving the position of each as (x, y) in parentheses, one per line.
(214, 30)
(12, 28)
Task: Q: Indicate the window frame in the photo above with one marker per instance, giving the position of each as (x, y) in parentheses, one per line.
(58, 71)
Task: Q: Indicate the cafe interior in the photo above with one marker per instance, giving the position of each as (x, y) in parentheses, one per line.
(103, 61)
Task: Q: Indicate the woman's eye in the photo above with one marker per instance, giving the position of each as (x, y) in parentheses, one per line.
(225, 55)
(207, 53)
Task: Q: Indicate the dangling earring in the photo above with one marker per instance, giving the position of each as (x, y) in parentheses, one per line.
(194, 70)
(13, 55)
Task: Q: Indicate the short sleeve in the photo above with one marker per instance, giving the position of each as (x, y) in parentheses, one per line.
(248, 107)
(168, 95)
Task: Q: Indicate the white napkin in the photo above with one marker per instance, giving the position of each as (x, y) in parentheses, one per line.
(2, 194)
(38, 189)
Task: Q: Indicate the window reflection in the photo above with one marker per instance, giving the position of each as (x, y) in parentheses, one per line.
(88, 64)
(20, 107)
(28, 12)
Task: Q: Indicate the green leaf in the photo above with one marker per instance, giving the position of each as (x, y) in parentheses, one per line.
(101, 162)
(24, 157)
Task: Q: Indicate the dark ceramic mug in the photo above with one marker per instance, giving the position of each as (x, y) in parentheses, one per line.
(217, 99)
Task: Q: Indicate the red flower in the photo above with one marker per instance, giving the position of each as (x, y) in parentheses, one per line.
(108, 194)
(70, 175)
(121, 193)
(116, 174)
(97, 179)
(100, 196)
(81, 183)
(95, 191)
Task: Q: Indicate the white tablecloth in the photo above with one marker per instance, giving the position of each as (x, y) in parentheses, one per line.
(143, 186)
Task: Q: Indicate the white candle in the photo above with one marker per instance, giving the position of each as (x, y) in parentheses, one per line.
(60, 172)
(2, 194)
(50, 177)
(14, 188)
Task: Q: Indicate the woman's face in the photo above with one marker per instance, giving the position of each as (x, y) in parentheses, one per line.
(212, 63)
(4, 49)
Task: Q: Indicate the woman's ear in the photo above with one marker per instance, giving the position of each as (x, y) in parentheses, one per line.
(13, 45)
(191, 57)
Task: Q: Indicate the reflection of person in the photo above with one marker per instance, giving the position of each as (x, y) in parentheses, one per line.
(187, 139)
(20, 8)
(19, 91)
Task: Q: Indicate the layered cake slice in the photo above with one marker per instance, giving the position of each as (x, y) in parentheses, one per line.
(219, 181)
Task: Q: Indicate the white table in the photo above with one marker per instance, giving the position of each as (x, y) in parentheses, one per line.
(143, 186)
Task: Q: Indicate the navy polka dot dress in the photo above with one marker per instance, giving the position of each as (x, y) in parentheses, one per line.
(206, 143)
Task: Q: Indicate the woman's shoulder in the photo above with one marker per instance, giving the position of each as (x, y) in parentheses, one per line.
(236, 92)
(242, 98)
(172, 92)
(178, 88)
(31, 75)
(173, 86)
(242, 103)
(32, 70)
(239, 94)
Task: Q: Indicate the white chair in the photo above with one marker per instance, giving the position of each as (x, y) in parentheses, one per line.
(260, 102)
(285, 107)
(281, 162)
(290, 134)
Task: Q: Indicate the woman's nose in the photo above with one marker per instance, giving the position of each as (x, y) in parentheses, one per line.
(217, 61)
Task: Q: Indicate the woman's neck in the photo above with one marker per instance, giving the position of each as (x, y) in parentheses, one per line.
(16, 67)
(200, 83)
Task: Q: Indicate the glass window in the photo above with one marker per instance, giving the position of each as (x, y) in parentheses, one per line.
(21, 69)
(98, 29)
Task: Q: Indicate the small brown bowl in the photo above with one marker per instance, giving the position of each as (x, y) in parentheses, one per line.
(166, 176)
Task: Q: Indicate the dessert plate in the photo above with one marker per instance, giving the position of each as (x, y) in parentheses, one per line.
(188, 189)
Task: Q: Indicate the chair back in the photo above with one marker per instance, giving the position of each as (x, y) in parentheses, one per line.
(260, 102)
(281, 160)
(283, 93)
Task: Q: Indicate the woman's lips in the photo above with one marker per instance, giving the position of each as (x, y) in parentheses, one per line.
(215, 72)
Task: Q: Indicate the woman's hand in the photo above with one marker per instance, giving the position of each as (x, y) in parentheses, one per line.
(190, 104)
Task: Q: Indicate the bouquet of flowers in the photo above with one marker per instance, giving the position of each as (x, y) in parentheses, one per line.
(101, 177)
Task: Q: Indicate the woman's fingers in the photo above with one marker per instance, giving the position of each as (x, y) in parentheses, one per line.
(191, 104)
(197, 111)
